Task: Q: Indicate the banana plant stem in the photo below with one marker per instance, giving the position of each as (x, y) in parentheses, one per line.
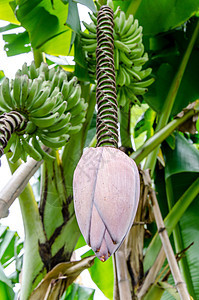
(180, 284)
(160, 136)
(39, 57)
(16, 184)
(170, 99)
(179, 243)
(33, 234)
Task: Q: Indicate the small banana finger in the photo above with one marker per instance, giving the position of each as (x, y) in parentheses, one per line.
(31, 150)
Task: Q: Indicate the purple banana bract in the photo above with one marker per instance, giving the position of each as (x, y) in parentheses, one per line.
(106, 194)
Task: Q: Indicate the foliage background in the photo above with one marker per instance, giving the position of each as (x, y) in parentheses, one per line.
(166, 41)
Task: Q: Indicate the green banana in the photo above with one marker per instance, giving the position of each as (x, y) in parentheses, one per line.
(16, 149)
(121, 21)
(23, 153)
(144, 83)
(3, 105)
(131, 30)
(55, 92)
(140, 61)
(128, 77)
(127, 24)
(33, 70)
(30, 127)
(75, 129)
(88, 41)
(76, 120)
(54, 81)
(145, 73)
(31, 150)
(17, 90)
(24, 89)
(24, 69)
(130, 42)
(117, 12)
(90, 48)
(54, 142)
(133, 73)
(74, 97)
(79, 107)
(64, 120)
(51, 73)
(44, 69)
(138, 90)
(65, 89)
(32, 93)
(120, 99)
(59, 132)
(45, 109)
(45, 122)
(93, 18)
(137, 52)
(88, 36)
(116, 58)
(124, 58)
(121, 77)
(59, 98)
(91, 27)
(131, 95)
(121, 46)
(38, 147)
(40, 99)
(5, 89)
(62, 78)
(61, 108)
(72, 85)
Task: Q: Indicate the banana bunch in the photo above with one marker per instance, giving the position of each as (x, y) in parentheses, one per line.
(129, 56)
(50, 103)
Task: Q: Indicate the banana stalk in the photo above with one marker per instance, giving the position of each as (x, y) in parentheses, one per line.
(32, 268)
(105, 177)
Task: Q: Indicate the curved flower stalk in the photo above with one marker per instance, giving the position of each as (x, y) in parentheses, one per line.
(106, 181)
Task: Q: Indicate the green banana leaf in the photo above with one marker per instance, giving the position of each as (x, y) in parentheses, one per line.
(6, 11)
(8, 27)
(47, 18)
(159, 16)
(145, 124)
(184, 158)
(16, 43)
(88, 3)
(165, 61)
(76, 292)
(6, 292)
(10, 247)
